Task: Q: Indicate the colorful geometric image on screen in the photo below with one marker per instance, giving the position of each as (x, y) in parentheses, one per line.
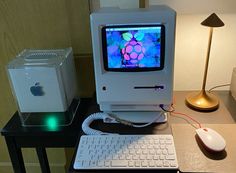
(133, 47)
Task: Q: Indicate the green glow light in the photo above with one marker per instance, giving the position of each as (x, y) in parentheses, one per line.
(52, 122)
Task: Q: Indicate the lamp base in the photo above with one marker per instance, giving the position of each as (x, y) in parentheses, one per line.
(202, 101)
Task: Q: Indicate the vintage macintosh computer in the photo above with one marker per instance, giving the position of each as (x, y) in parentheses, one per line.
(133, 53)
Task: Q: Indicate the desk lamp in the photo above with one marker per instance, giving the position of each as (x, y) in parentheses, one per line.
(205, 101)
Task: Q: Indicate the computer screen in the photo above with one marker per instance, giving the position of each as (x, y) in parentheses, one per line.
(133, 47)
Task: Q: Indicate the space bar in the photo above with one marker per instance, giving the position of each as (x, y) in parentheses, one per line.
(119, 163)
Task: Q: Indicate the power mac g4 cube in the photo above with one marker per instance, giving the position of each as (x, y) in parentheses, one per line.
(44, 85)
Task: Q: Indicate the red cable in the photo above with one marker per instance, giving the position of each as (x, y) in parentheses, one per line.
(179, 113)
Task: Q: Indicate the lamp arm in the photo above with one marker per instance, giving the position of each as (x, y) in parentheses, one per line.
(207, 59)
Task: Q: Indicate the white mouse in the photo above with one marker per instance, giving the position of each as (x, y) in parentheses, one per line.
(211, 139)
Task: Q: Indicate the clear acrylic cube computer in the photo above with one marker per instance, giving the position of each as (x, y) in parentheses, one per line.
(44, 85)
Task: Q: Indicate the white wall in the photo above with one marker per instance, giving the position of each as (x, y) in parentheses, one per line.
(192, 40)
(191, 48)
(199, 6)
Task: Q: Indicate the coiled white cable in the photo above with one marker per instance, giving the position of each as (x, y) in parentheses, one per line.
(104, 116)
(95, 116)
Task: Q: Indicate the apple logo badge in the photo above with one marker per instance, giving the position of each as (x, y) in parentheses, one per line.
(37, 89)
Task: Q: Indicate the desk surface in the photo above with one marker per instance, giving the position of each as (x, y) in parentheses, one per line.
(229, 102)
(192, 157)
(220, 116)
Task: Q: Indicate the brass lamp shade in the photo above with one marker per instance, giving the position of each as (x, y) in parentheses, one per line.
(205, 101)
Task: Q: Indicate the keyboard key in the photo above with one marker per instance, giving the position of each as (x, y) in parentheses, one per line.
(107, 163)
(159, 163)
(166, 164)
(151, 163)
(144, 163)
(137, 163)
(170, 157)
(173, 164)
(100, 163)
(119, 163)
(131, 163)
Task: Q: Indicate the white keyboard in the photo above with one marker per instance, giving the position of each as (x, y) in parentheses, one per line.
(126, 152)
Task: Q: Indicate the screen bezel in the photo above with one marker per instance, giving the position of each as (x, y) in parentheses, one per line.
(162, 49)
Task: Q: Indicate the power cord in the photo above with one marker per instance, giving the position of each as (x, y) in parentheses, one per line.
(218, 86)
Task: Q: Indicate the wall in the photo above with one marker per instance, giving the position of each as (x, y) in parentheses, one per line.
(43, 25)
(191, 49)
(192, 40)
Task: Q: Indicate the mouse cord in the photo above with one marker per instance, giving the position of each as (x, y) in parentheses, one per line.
(179, 113)
(174, 113)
